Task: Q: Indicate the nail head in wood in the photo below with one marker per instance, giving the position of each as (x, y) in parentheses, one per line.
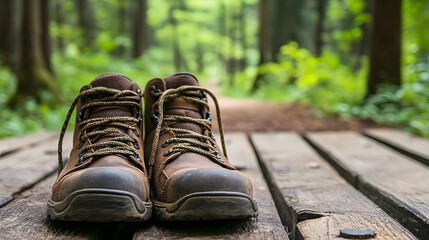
(357, 233)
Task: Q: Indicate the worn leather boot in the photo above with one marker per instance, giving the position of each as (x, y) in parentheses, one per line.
(191, 178)
(105, 178)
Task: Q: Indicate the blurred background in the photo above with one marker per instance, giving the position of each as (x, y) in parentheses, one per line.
(360, 59)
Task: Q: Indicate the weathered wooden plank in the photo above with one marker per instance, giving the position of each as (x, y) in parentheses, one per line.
(266, 226)
(9, 145)
(317, 202)
(413, 146)
(396, 183)
(22, 169)
(25, 218)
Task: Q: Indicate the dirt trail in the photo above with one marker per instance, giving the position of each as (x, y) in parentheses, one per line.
(255, 116)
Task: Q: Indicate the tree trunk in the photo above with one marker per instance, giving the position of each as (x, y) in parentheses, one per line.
(33, 75)
(321, 10)
(263, 40)
(242, 31)
(122, 27)
(286, 17)
(385, 45)
(46, 39)
(361, 47)
(199, 53)
(141, 29)
(86, 22)
(178, 58)
(7, 33)
(59, 19)
(231, 62)
(222, 33)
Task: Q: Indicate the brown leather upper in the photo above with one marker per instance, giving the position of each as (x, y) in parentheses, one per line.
(190, 172)
(112, 171)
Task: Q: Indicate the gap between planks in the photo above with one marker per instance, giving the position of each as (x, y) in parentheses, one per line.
(316, 202)
(266, 226)
(395, 183)
(13, 144)
(25, 217)
(407, 144)
(23, 169)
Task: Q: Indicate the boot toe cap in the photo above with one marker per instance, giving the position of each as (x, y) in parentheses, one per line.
(206, 180)
(110, 178)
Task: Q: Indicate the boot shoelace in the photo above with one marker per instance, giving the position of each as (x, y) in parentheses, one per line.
(117, 142)
(186, 140)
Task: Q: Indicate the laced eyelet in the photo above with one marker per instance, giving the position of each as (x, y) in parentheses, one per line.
(136, 144)
(139, 117)
(168, 152)
(165, 144)
(218, 158)
(80, 144)
(136, 157)
(135, 132)
(81, 159)
(209, 116)
(204, 96)
(139, 92)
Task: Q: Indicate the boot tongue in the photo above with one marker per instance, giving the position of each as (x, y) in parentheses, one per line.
(179, 106)
(114, 81)
(180, 79)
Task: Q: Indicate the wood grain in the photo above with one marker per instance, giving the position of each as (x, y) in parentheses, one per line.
(25, 218)
(410, 145)
(266, 226)
(9, 145)
(22, 169)
(317, 202)
(396, 183)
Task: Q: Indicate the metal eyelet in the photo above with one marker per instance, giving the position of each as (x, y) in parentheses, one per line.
(135, 132)
(139, 92)
(218, 158)
(139, 117)
(209, 116)
(136, 145)
(81, 159)
(154, 117)
(165, 144)
(204, 96)
(168, 152)
(153, 90)
(136, 157)
(79, 117)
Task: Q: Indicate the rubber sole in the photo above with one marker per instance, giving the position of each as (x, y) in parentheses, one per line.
(100, 205)
(207, 206)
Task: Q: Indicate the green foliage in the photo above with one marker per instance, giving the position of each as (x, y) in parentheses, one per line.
(299, 76)
(329, 84)
(208, 32)
(7, 85)
(344, 27)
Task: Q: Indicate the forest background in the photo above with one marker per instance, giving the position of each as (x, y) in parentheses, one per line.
(365, 59)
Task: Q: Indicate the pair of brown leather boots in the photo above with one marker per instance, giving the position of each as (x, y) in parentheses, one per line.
(117, 172)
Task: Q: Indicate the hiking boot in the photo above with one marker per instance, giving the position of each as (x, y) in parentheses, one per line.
(191, 178)
(105, 178)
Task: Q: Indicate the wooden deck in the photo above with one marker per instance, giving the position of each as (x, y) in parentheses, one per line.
(308, 187)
